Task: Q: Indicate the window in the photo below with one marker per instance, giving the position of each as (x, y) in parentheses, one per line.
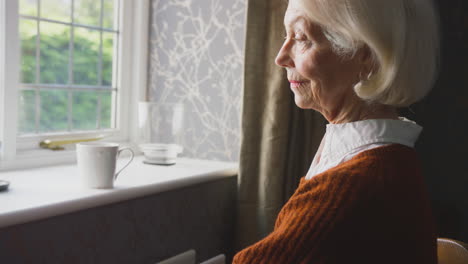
(66, 71)
(66, 65)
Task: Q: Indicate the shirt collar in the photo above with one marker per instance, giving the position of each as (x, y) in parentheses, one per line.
(343, 138)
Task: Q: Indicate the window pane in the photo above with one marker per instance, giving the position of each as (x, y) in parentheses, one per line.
(28, 7)
(59, 10)
(55, 39)
(85, 110)
(48, 109)
(107, 57)
(86, 56)
(28, 33)
(108, 13)
(106, 110)
(87, 12)
(27, 112)
(54, 110)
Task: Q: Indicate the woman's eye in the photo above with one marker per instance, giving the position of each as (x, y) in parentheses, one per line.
(303, 42)
(300, 38)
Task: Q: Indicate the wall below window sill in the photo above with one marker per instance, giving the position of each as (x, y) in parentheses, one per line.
(50, 191)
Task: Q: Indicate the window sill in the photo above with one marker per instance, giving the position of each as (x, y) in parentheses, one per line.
(32, 158)
(45, 192)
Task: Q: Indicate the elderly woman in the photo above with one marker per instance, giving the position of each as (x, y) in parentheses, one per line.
(363, 199)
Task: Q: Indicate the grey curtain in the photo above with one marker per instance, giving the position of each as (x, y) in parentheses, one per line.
(279, 140)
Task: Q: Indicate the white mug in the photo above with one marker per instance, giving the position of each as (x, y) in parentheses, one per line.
(97, 163)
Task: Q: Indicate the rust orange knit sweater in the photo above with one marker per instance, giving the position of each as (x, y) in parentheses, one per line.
(371, 209)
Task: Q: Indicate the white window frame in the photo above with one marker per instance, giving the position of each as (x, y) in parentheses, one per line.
(23, 152)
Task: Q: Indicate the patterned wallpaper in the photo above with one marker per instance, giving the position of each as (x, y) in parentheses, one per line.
(196, 58)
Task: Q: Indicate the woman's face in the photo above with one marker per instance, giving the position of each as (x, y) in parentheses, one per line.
(319, 78)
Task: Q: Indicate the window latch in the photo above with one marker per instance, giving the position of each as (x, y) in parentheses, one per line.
(57, 144)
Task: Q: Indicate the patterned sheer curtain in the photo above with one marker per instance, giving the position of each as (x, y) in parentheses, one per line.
(279, 140)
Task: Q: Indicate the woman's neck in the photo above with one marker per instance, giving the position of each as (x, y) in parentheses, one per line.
(361, 110)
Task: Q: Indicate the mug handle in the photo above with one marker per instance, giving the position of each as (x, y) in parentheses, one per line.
(128, 163)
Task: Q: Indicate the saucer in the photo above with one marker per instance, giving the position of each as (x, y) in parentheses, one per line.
(153, 162)
(160, 154)
(4, 185)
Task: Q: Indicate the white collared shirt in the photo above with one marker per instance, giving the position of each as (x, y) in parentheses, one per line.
(342, 142)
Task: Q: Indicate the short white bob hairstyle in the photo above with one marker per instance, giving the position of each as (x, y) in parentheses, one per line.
(403, 36)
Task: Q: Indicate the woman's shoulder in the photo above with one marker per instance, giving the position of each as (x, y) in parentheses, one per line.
(389, 157)
(382, 164)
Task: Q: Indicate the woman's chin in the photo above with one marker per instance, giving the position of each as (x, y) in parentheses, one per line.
(301, 103)
(305, 104)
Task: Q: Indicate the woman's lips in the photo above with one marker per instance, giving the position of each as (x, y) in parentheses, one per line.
(295, 84)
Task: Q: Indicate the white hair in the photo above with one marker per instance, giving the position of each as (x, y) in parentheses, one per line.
(403, 36)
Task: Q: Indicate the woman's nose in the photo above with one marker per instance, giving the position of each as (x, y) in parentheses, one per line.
(283, 59)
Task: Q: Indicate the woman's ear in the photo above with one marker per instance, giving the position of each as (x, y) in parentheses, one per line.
(367, 60)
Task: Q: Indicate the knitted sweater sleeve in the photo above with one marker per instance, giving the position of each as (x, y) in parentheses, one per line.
(306, 221)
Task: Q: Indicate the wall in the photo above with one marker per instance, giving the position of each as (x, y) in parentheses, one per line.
(144, 230)
(196, 58)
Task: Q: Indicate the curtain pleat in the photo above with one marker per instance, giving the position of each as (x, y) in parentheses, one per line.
(279, 140)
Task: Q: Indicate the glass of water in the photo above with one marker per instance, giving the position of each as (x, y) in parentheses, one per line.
(160, 127)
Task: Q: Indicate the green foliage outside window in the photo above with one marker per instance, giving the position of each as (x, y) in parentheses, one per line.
(54, 69)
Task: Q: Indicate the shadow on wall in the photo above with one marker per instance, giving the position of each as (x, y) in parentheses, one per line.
(449, 218)
(443, 145)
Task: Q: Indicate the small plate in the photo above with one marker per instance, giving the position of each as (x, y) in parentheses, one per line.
(158, 162)
(160, 154)
(159, 147)
(4, 185)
